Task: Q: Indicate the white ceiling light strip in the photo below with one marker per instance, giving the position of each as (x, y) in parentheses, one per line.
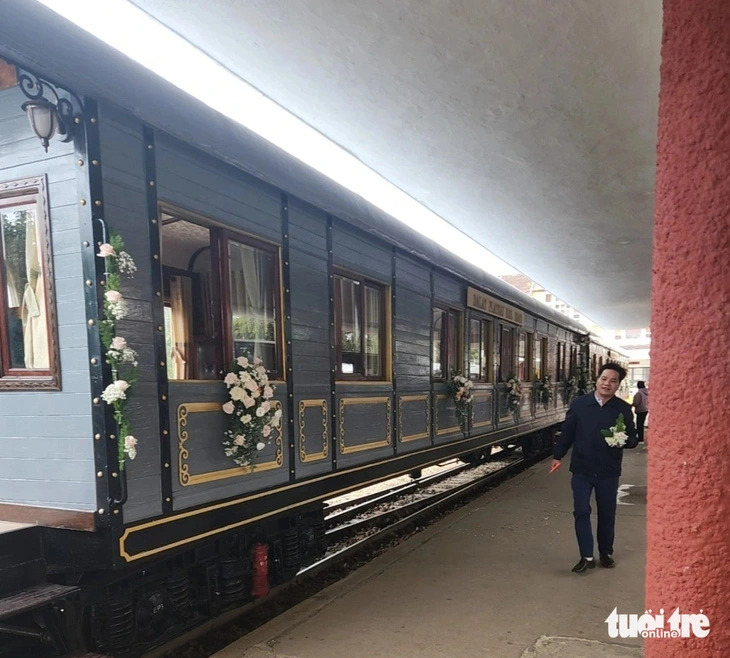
(130, 30)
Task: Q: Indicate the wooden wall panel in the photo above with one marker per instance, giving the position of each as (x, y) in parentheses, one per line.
(198, 183)
(125, 212)
(46, 452)
(311, 348)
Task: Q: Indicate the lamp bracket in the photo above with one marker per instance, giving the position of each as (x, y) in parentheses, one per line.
(67, 104)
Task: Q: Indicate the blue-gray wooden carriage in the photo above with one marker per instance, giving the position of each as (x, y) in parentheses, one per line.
(141, 147)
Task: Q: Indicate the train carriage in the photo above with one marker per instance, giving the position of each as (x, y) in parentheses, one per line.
(240, 250)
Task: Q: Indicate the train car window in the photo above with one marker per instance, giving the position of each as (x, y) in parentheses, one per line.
(221, 295)
(191, 288)
(445, 342)
(359, 328)
(541, 354)
(476, 350)
(506, 353)
(523, 362)
(480, 350)
(252, 287)
(28, 331)
(452, 342)
(560, 362)
(438, 364)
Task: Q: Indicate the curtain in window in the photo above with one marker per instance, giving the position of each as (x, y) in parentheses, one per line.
(373, 324)
(181, 297)
(347, 317)
(437, 356)
(33, 309)
(252, 304)
(14, 262)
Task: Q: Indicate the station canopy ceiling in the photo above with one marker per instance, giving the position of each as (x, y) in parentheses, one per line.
(529, 125)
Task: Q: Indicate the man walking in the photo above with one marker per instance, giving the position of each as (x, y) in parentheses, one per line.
(596, 461)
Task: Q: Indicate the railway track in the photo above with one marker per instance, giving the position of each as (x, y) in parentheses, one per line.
(355, 527)
(382, 513)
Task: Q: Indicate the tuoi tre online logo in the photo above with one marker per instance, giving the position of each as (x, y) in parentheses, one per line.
(648, 625)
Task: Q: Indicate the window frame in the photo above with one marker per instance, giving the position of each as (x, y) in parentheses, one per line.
(223, 237)
(26, 191)
(573, 361)
(529, 365)
(486, 339)
(541, 348)
(511, 330)
(560, 362)
(220, 235)
(384, 335)
(458, 316)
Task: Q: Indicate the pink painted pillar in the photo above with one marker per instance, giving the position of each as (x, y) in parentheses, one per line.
(688, 558)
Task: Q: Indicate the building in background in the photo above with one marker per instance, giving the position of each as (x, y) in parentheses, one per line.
(535, 290)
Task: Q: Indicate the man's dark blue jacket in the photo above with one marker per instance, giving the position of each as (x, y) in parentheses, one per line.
(585, 419)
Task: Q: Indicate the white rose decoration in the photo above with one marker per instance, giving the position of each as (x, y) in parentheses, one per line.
(237, 393)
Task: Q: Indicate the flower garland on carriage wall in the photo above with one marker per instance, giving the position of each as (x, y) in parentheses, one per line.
(119, 355)
(461, 389)
(570, 389)
(545, 390)
(514, 396)
(253, 417)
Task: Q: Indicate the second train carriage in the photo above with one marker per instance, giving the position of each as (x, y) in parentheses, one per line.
(358, 321)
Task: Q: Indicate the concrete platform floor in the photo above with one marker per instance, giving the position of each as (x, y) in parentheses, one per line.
(492, 579)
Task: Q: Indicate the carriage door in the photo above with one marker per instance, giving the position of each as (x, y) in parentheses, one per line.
(505, 371)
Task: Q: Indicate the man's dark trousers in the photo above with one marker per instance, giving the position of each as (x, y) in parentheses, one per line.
(606, 489)
(640, 420)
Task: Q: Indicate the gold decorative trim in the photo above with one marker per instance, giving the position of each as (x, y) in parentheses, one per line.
(133, 529)
(419, 435)
(445, 430)
(303, 456)
(481, 423)
(187, 479)
(345, 449)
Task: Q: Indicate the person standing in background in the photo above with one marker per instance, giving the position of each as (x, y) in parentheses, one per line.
(641, 406)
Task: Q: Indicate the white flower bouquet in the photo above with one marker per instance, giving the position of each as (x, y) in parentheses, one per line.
(615, 435)
(514, 393)
(545, 386)
(570, 389)
(462, 390)
(252, 415)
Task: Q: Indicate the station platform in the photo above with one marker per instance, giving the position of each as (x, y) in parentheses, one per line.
(492, 579)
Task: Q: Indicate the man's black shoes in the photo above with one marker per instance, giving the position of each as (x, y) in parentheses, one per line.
(607, 561)
(584, 565)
